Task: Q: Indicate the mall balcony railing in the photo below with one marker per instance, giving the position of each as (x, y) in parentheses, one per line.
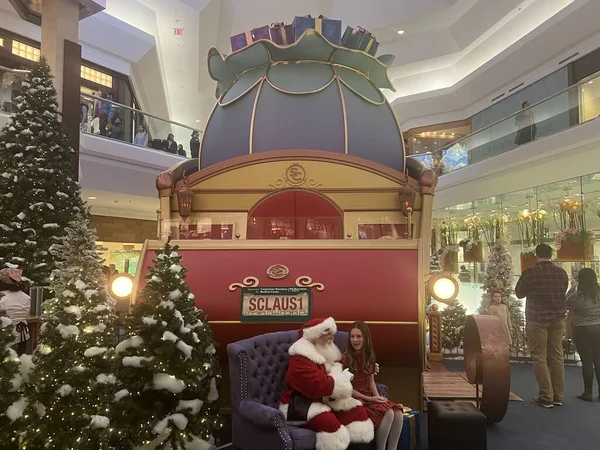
(106, 118)
(109, 119)
(565, 109)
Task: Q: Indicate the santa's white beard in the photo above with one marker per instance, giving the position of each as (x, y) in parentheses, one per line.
(330, 352)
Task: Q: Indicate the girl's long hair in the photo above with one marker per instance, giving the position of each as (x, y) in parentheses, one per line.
(366, 355)
(588, 284)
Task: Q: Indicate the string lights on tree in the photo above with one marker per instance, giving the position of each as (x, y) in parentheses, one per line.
(71, 389)
(38, 198)
(167, 369)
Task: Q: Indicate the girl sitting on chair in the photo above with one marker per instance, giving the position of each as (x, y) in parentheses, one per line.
(386, 415)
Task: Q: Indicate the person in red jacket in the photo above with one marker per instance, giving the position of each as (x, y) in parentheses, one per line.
(319, 392)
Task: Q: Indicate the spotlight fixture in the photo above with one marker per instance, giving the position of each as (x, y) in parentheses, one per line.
(121, 286)
(400, 31)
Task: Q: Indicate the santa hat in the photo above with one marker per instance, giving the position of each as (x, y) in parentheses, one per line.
(10, 275)
(315, 328)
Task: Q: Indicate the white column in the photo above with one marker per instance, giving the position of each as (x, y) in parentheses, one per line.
(60, 22)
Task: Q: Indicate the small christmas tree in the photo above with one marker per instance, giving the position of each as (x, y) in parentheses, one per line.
(454, 317)
(499, 275)
(14, 373)
(38, 197)
(72, 386)
(167, 367)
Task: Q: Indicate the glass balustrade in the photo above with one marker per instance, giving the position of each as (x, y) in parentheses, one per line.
(105, 118)
(567, 108)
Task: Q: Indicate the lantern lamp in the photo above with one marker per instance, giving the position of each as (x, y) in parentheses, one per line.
(442, 287)
(407, 203)
(185, 198)
(121, 286)
(407, 199)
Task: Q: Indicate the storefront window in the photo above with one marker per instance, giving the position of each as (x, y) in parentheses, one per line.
(589, 99)
(10, 88)
(124, 256)
(564, 214)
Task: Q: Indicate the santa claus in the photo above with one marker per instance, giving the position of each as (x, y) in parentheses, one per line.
(319, 392)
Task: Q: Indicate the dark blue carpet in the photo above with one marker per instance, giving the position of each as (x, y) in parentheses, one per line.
(575, 426)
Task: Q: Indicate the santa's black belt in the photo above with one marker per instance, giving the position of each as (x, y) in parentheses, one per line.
(298, 408)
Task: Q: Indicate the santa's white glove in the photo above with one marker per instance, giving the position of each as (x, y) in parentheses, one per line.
(348, 374)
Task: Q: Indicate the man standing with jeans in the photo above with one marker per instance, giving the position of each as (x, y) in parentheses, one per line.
(545, 286)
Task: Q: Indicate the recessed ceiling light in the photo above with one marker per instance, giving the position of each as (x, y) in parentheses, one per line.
(400, 31)
(591, 82)
(197, 121)
(91, 198)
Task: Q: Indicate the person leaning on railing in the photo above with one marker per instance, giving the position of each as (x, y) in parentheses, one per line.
(584, 304)
(141, 137)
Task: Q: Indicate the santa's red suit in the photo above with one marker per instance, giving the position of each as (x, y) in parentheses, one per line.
(319, 392)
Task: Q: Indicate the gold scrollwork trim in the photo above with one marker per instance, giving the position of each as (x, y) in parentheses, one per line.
(252, 119)
(246, 282)
(221, 98)
(344, 114)
(278, 272)
(295, 176)
(284, 91)
(365, 98)
(306, 281)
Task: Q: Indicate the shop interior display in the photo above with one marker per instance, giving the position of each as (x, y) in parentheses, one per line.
(564, 214)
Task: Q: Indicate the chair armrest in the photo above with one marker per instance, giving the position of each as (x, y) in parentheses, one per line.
(260, 414)
(383, 390)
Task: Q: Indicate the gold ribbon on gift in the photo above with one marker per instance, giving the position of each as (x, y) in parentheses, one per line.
(369, 45)
(413, 436)
(249, 37)
(319, 25)
(281, 28)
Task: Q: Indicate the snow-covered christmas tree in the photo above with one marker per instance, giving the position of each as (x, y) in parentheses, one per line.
(38, 197)
(499, 275)
(13, 373)
(454, 317)
(72, 387)
(168, 371)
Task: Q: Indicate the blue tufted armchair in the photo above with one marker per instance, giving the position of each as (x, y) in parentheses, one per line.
(257, 368)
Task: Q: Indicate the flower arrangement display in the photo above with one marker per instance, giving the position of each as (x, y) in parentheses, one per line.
(493, 228)
(532, 229)
(471, 244)
(448, 255)
(473, 228)
(572, 223)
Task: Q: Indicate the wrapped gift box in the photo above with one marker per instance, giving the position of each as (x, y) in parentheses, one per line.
(282, 34)
(330, 29)
(245, 39)
(410, 439)
(360, 39)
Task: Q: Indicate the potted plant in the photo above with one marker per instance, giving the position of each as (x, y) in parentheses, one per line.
(532, 232)
(573, 242)
(494, 228)
(471, 244)
(448, 255)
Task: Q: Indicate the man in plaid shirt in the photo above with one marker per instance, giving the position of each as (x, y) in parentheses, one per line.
(545, 286)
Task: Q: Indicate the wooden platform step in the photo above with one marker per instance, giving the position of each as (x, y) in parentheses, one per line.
(440, 385)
